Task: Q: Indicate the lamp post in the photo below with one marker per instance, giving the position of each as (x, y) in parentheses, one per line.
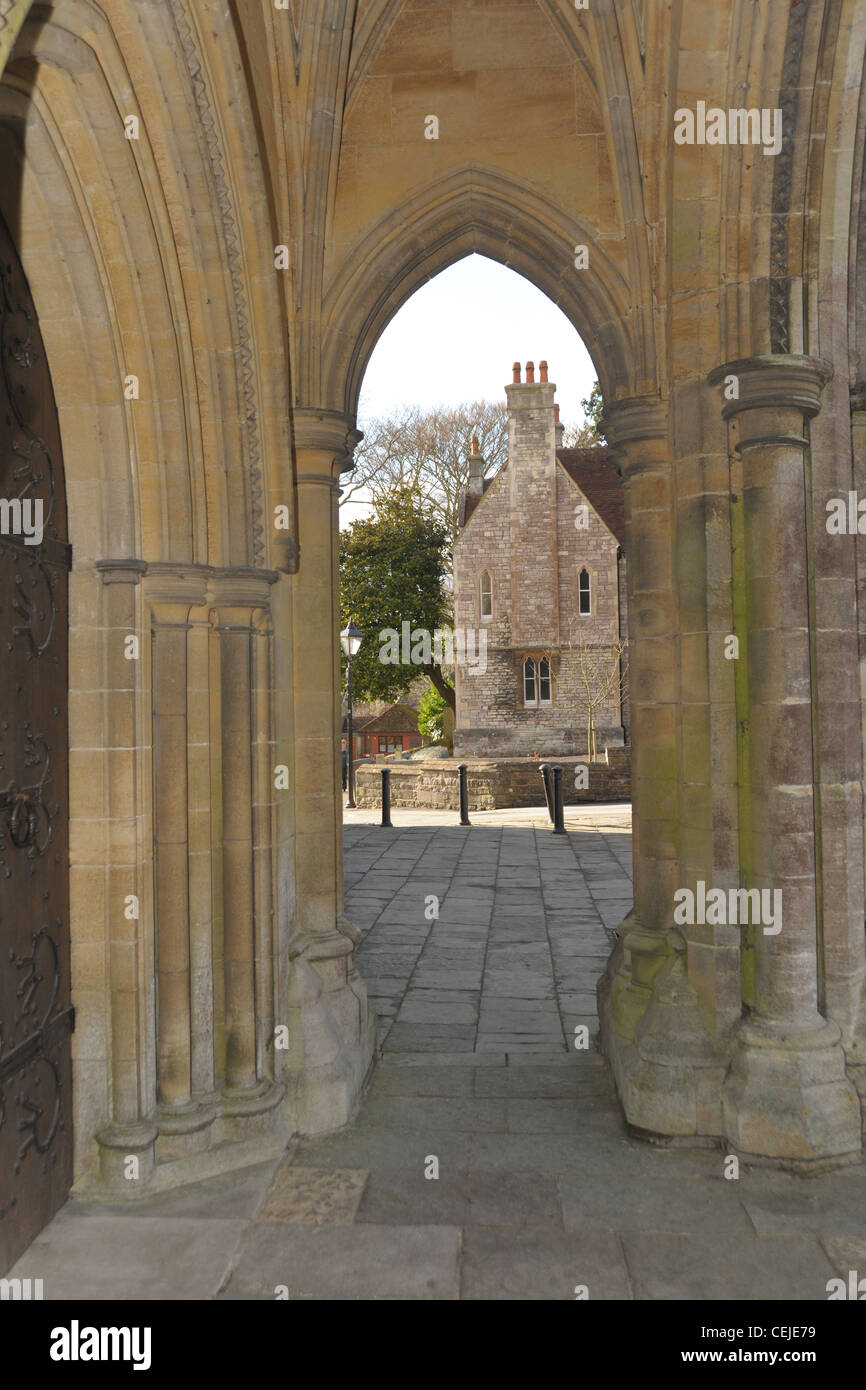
(350, 640)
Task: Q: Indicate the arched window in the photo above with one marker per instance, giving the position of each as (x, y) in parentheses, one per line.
(486, 596)
(530, 696)
(584, 598)
(537, 683)
(544, 685)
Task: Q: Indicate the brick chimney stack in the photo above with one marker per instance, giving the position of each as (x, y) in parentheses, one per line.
(532, 483)
(476, 469)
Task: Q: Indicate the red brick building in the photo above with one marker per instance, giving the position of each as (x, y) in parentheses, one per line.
(392, 731)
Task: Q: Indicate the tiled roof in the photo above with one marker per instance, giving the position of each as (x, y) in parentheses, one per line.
(397, 719)
(598, 479)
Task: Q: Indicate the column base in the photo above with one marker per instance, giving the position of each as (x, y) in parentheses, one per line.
(667, 1069)
(247, 1116)
(787, 1097)
(332, 1034)
(855, 1057)
(183, 1130)
(625, 989)
(127, 1157)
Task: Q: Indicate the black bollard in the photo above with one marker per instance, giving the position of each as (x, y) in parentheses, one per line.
(464, 796)
(386, 797)
(548, 789)
(558, 823)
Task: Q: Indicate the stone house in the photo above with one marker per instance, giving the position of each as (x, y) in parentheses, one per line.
(540, 586)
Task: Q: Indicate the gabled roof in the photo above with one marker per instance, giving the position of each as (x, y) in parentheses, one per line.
(599, 480)
(397, 719)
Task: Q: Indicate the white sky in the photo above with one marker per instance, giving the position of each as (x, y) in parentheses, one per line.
(455, 340)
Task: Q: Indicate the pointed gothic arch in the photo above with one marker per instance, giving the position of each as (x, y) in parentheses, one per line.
(474, 209)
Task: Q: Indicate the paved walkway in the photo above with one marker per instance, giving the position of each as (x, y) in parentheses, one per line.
(489, 1159)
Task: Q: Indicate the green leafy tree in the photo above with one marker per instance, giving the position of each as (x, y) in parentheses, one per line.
(588, 435)
(431, 710)
(393, 569)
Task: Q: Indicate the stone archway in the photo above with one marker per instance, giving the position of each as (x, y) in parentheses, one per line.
(154, 297)
(156, 259)
(711, 264)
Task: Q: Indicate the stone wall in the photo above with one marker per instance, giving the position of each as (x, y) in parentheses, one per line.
(492, 720)
(494, 784)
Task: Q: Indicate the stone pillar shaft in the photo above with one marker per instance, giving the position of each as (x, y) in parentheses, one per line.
(637, 430)
(131, 1130)
(766, 429)
(235, 638)
(786, 1095)
(331, 1028)
(172, 850)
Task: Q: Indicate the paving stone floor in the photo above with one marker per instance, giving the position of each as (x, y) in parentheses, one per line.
(481, 948)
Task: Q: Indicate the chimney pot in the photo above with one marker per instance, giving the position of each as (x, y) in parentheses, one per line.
(543, 369)
(515, 372)
(474, 445)
(555, 410)
(530, 372)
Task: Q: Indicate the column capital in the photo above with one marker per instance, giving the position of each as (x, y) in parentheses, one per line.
(326, 432)
(127, 571)
(636, 429)
(172, 590)
(773, 382)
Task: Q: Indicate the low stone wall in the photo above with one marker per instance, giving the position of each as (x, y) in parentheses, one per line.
(493, 783)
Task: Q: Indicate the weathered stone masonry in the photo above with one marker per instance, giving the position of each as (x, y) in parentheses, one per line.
(156, 258)
(522, 531)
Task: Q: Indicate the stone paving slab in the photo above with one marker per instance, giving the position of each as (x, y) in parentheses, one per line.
(726, 1266)
(350, 1262)
(461, 1199)
(533, 1264)
(106, 1257)
(489, 1158)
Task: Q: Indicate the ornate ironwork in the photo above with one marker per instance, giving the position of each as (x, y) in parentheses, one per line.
(35, 1012)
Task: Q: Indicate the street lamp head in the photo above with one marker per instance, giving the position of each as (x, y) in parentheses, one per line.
(351, 638)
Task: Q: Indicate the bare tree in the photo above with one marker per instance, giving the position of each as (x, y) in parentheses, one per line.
(603, 673)
(583, 436)
(428, 451)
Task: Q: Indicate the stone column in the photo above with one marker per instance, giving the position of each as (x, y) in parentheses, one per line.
(184, 1123)
(249, 1095)
(652, 1031)
(786, 1096)
(330, 1026)
(203, 861)
(131, 1131)
(264, 825)
(236, 601)
(856, 1051)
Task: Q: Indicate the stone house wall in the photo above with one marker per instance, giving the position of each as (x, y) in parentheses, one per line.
(523, 533)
